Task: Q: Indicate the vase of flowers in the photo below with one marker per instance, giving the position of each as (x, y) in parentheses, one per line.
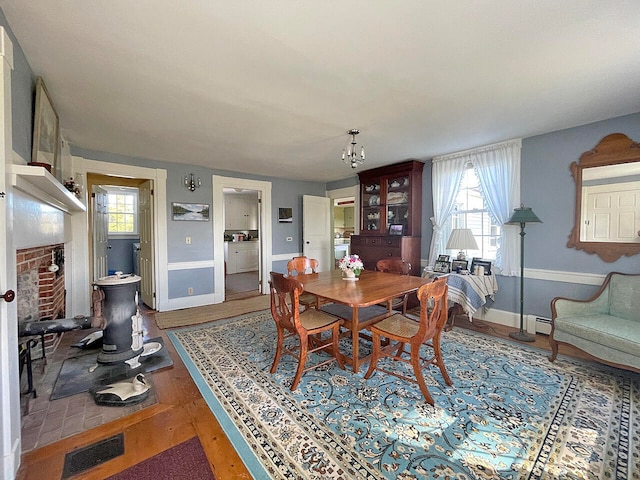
(351, 267)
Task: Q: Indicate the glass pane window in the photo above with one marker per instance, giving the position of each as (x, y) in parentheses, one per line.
(123, 212)
(470, 211)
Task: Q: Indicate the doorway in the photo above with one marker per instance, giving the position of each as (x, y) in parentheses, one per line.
(345, 219)
(121, 230)
(263, 191)
(241, 243)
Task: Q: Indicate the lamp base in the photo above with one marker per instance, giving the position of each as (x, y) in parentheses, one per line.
(522, 336)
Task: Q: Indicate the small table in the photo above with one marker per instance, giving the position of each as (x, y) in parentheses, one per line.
(349, 297)
(470, 292)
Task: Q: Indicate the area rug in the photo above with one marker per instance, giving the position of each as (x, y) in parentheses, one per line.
(208, 313)
(510, 414)
(184, 461)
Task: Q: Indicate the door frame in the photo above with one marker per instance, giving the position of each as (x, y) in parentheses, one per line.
(264, 195)
(80, 288)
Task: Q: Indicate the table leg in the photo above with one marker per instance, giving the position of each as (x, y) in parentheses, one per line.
(355, 337)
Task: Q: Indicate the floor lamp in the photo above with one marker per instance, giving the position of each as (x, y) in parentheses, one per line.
(522, 216)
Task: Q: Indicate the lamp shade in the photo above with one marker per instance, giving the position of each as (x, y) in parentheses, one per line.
(523, 215)
(462, 239)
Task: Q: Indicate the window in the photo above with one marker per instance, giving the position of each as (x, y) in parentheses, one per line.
(123, 211)
(470, 211)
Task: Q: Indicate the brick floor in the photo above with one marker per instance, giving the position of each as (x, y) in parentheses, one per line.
(46, 421)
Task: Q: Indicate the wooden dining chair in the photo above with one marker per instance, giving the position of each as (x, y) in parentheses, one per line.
(402, 330)
(299, 265)
(399, 266)
(308, 326)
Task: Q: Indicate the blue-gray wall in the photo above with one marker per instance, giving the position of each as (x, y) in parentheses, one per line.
(22, 97)
(120, 255)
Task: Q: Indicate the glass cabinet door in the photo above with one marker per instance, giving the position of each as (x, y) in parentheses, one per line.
(397, 202)
(371, 207)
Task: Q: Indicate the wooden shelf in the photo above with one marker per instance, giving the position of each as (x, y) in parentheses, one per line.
(39, 183)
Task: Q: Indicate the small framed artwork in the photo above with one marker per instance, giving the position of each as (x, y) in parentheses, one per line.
(46, 134)
(443, 258)
(442, 267)
(195, 212)
(285, 215)
(396, 229)
(478, 262)
(459, 265)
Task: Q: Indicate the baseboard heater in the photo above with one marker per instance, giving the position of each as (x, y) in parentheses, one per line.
(543, 325)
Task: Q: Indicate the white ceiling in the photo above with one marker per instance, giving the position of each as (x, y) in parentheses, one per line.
(271, 87)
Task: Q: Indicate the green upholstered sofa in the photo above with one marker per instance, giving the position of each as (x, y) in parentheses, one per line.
(606, 326)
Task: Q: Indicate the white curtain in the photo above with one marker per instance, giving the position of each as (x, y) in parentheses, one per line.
(498, 170)
(446, 178)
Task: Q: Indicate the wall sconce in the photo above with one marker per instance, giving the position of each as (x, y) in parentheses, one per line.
(192, 183)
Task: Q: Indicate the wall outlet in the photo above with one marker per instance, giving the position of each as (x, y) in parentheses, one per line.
(187, 240)
(289, 239)
(190, 291)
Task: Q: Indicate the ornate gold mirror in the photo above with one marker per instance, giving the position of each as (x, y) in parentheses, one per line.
(607, 216)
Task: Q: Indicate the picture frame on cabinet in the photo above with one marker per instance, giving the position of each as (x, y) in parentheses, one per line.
(46, 131)
(285, 215)
(191, 212)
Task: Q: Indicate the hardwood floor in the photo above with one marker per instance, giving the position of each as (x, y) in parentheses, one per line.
(180, 414)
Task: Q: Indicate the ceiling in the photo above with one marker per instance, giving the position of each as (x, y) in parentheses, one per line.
(271, 87)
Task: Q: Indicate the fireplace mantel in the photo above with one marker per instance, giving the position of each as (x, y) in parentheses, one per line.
(39, 183)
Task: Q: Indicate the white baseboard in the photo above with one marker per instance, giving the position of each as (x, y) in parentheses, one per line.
(511, 319)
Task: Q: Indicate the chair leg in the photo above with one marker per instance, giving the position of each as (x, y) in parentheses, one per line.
(439, 361)
(304, 346)
(279, 345)
(375, 355)
(554, 348)
(415, 362)
(335, 335)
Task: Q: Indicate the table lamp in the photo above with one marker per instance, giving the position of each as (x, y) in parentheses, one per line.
(462, 239)
(522, 216)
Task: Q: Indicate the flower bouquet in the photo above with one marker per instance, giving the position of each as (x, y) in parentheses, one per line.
(351, 266)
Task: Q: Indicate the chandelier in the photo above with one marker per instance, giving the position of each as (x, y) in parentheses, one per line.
(349, 155)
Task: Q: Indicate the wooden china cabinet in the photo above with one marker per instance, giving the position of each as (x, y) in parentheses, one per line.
(390, 202)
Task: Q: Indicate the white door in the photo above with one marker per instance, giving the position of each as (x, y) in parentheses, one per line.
(612, 212)
(316, 230)
(100, 227)
(145, 226)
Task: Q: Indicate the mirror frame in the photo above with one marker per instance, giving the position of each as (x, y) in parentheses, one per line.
(613, 149)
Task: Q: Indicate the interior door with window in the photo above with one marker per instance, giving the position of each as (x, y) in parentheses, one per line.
(100, 234)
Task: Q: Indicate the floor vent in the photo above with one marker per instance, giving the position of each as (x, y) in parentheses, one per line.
(88, 457)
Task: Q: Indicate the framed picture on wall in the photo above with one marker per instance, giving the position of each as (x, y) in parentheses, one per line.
(46, 130)
(285, 215)
(194, 212)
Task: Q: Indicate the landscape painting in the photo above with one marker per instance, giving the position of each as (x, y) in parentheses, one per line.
(197, 212)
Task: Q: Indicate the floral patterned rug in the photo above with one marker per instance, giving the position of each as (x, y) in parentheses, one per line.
(510, 414)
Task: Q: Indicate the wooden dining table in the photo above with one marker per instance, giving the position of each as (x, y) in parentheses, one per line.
(357, 302)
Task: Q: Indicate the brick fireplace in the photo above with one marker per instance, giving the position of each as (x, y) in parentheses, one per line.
(40, 292)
